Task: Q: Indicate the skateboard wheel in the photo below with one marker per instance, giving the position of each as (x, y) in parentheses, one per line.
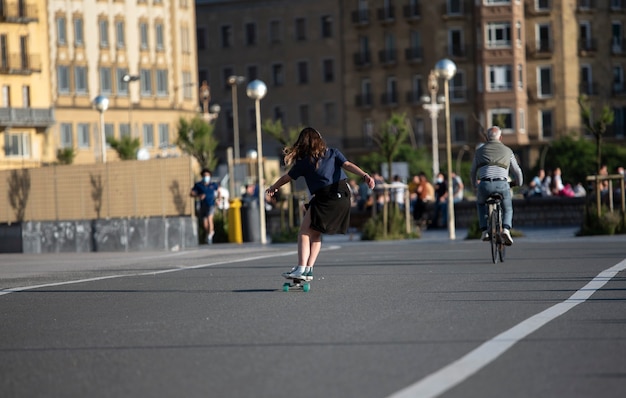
(285, 287)
(306, 287)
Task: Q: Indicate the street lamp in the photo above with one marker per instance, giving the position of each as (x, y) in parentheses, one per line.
(233, 81)
(256, 90)
(128, 79)
(433, 107)
(446, 69)
(101, 103)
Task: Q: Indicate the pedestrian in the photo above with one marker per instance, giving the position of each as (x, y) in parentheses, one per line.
(441, 202)
(328, 211)
(206, 194)
(397, 192)
(491, 166)
(458, 188)
(425, 198)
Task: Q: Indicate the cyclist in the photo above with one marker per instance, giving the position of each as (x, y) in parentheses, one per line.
(489, 174)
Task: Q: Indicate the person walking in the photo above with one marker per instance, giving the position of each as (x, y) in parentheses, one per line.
(328, 211)
(491, 166)
(206, 194)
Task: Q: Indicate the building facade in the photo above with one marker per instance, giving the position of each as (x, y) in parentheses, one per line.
(293, 46)
(26, 111)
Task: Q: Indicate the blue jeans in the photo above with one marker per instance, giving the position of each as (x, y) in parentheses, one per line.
(485, 188)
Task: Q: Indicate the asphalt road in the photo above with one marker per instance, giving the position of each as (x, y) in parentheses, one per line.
(420, 318)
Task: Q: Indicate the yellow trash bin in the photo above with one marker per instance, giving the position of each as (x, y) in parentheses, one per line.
(234, 222)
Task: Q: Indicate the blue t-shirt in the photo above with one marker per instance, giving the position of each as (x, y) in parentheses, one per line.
(328, 172)
(210, 190)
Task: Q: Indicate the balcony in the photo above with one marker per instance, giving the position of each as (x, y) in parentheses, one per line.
(386, 15)
(618, 47)
(414, 97)
(362, 59)
(388, 57)
(20, 64)
(414, 54)
(361, 17)
(26, 117)
(587, 47)
(412, 13)
(364, 100)
(18, 12)
(389, 99)
(588, 88)
(541, 49)
(619, 89)
(458, 51)
(583, 6)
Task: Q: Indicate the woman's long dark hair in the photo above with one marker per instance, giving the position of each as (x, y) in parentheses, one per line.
(309, 144)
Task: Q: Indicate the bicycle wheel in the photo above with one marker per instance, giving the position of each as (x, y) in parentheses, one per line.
(493, 234)
(501, 245)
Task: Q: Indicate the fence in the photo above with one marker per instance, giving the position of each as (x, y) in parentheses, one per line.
(126, 189)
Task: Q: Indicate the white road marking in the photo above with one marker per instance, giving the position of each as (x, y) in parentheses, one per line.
(453, 374)
(178, 268)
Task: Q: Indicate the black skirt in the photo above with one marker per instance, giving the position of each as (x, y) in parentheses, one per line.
(330, 209)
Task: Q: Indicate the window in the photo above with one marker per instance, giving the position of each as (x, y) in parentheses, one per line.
(63, 79)
(80, 80)
(25, 96)
(160, 42)
(79, 35)
(498, 34)
(105, 80)
(455, 43)
(252, 72)
(187, 85)
(391, 92)
(4, 52)
(543, 38)
(500, 77)
(146, 82)
(124, 130)
(502, 118)
(545, 119)
(148, 135)
(520, 76)
(61, 31)
(143, 35)
(498, 2)
(586, 80)
(544, 84)
(121, 85)
(328, 71)
(120, 38)
(619, 123)
(616, 4)
(616, 37)
(518, 28)
(164, 135)
(185, 40)
(104, 33)
(226, 36)
(67, 135)
(279, 114)
(459, 128)
(585, 35)
(201, 38)
(83, 135)
(330, 113)
(303, 72)
(618, 79)
(278, 76)
(455, 7)
(275, 36)
(368, 132)
(300, 29)
(303, 113)
(161, 81)
(16, 144)
(542, 5)
(522, 119)
(327, 26)
(458, 91)
(416, 88)
(109, 133)
(251, 34)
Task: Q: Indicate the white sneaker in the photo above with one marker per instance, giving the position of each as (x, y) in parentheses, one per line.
(295, 273)
(209, 238)
(506, 236)
(485, 236)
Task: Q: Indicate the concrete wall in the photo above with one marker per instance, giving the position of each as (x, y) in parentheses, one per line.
(126, 235)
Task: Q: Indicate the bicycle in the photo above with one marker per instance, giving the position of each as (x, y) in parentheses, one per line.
(494, 226)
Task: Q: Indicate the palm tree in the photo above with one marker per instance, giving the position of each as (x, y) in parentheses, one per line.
(597, 128)
(196, 139)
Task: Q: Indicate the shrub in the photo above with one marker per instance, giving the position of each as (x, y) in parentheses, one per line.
(396, 228)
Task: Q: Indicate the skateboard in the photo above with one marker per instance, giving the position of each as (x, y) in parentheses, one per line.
(296, 284)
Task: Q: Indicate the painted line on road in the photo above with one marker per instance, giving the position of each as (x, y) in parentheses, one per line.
(179, 268)
(449, 376)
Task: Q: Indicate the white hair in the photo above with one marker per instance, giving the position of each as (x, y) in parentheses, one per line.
(494, 133)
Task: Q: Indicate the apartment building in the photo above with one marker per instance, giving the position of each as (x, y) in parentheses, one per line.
(26, 112)
(293, 46)
(140, 54)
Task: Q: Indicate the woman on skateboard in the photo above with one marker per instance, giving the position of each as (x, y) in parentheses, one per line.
(328, 211)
